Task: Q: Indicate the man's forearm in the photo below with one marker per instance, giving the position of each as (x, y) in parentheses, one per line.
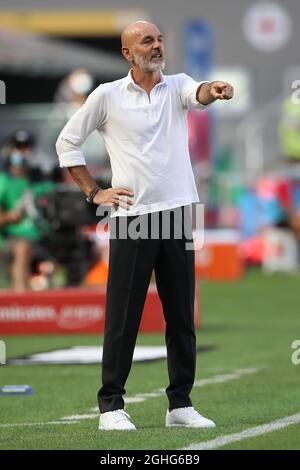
(203, 94)
(83, 178)
(9, 217)
(4, 219)
(108, 197)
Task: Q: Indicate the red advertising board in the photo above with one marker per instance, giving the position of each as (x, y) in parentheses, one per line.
(68, 311)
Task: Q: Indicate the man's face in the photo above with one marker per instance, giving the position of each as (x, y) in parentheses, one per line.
(147, 50)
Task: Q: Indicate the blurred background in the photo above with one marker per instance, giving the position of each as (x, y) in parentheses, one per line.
(245, 153)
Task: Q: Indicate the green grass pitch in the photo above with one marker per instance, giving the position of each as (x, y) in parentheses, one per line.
(251, 324)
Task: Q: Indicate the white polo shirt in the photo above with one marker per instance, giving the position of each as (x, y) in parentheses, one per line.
(146, 139)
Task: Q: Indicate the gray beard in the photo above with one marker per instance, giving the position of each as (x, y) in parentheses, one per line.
(147, 65)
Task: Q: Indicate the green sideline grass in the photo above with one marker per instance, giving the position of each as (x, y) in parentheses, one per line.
(251, 323)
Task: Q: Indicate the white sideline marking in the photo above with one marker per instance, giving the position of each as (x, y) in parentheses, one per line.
(218, 379)
(251, 432)
(36, 424)
(132, 400)
(141, 397)
(79, 417)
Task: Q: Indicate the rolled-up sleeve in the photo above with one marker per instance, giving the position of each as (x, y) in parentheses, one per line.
(90, 116)
(188, 89)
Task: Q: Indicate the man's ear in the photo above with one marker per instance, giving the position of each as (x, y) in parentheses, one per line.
(126, 54)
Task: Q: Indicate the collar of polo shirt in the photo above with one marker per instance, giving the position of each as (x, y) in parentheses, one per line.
(130, 82)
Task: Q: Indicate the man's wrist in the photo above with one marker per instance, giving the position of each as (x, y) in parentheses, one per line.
(90, 197)
(204, 96)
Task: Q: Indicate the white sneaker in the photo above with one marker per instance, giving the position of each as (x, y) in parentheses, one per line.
(187, 417)
(117, 420)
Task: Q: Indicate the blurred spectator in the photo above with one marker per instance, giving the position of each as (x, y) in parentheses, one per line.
(74, 88)
(259, 207)
(20, 221)
(289, 187)
(289, 130)
(98, 273)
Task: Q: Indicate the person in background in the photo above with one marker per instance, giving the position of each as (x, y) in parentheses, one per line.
(289, 187)
(289, 130)
(20, 222)
(74, 88)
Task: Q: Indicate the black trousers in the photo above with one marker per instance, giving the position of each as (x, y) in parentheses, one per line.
(131, 263)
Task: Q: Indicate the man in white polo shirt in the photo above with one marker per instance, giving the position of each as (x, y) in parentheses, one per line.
(143, 121)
